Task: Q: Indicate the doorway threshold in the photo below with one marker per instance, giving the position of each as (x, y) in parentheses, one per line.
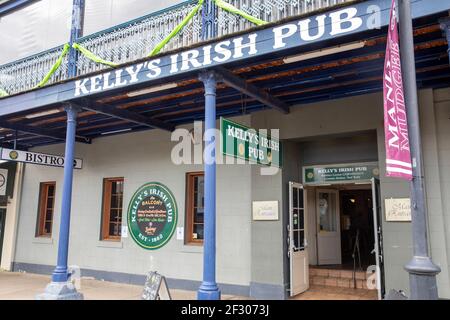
(316, 292)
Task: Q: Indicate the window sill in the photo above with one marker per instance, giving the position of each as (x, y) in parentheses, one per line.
(192, 248)
(110, 244)
(43, 240)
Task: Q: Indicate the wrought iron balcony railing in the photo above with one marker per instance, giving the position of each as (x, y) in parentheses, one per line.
(135, 39)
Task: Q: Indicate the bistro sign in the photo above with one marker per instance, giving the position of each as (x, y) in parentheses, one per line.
(340, 173)
(152, 215)
(50, 160)
(246, 143)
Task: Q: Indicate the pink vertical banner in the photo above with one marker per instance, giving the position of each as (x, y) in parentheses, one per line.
(398, 157)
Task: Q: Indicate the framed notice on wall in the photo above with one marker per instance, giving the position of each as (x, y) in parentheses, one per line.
(3, 181)
(265, 210)
(398, 209)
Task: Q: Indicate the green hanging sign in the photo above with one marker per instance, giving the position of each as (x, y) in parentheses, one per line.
(152, 215)
(246, 143)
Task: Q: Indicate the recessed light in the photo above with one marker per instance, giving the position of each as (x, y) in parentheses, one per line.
(152, 89)
(325, 52)
(42, 113)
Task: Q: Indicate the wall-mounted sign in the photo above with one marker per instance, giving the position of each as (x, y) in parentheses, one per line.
(37, 158)
(398, 209)
(124, 232)
(152, 215)
(155, 287)
(265, 210)
(3, 181)
(340, 173)
(246, 143)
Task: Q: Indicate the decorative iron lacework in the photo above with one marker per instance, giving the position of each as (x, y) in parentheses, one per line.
(136, 39)
(25, 74)
(267, 10)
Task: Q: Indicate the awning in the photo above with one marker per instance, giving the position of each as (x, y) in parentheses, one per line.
(332, 66)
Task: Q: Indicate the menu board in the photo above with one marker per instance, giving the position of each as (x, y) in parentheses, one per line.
(155, 287)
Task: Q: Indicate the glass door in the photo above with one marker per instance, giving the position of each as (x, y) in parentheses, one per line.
(2, 229)
(328, 227)
(298, 248)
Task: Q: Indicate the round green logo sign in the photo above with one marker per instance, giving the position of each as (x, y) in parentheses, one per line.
(152, 215)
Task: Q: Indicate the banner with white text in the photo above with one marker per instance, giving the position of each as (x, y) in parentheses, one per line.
(398, 157)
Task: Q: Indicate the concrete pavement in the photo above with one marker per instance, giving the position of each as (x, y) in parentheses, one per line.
(25, 286)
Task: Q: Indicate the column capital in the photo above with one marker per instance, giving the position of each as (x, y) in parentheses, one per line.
(71, 109)
(208, 77)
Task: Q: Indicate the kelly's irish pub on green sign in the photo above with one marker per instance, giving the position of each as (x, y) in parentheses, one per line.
(247, 143)
(340, 173)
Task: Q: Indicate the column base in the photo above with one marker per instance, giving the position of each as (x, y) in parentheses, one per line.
(208, 292)
(422, 266)
(208, 295)
(60, 291)
(422, 278)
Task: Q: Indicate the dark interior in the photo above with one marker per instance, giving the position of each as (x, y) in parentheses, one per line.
(357, 223)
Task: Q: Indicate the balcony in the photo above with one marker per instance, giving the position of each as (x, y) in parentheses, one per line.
(135, 39)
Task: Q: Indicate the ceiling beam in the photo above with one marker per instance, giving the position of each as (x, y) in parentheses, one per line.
(126, 115)
(251, 90)
(40, 132)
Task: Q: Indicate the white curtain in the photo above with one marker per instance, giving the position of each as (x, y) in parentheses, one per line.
(46, 23)
(103, 14)
(35, 28)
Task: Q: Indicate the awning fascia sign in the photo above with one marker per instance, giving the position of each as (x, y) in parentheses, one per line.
(43, 159)
(329, 174)
(343, 21)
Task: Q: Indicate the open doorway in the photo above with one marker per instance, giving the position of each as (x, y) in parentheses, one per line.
(346, 236)
(357, 229)
(345, 226)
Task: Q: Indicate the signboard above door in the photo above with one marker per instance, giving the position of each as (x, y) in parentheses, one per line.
(50, 160)
(340, 173)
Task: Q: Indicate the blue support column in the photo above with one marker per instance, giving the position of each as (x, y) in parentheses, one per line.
(75, 33)
(208, 289)
(60, 274)
(60, 288)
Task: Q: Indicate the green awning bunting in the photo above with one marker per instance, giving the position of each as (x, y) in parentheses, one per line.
(230, 8)
(3, 93)
(221, 4)
(54, 67)
(177, 29)
(92, 56)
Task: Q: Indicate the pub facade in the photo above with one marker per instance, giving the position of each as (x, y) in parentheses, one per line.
(283, 102)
